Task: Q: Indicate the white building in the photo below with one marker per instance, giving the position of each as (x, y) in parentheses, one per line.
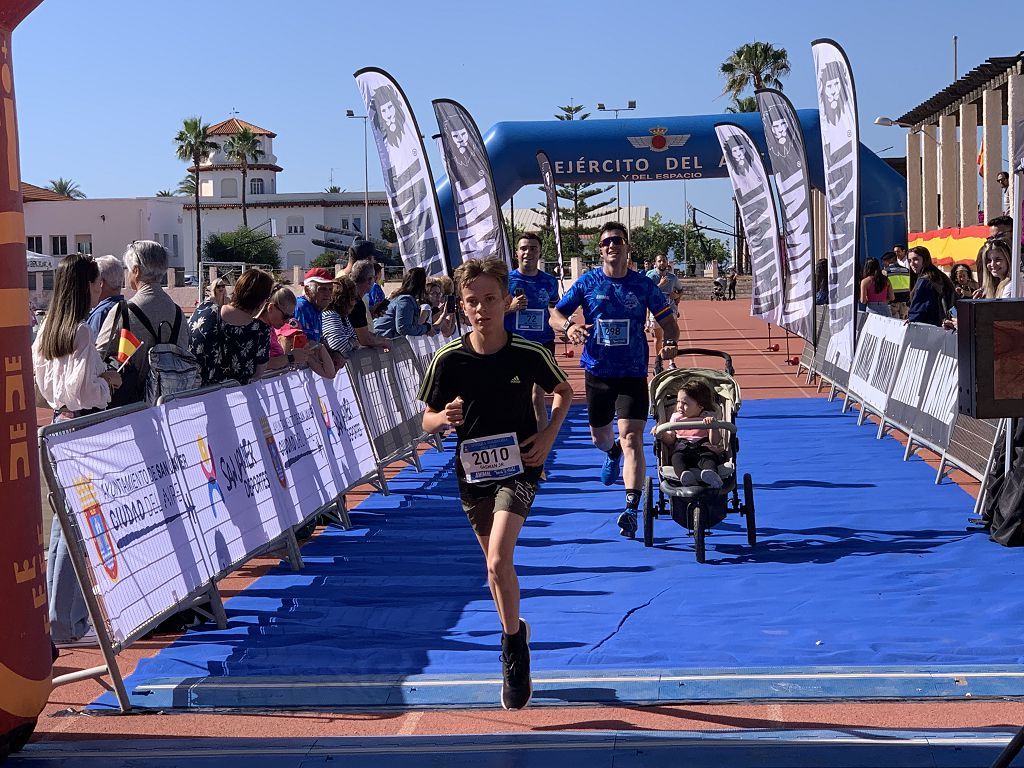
(56, 226)
(295, 215)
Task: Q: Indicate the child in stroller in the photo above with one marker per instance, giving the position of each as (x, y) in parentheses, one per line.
(718, 293)
(696, 452)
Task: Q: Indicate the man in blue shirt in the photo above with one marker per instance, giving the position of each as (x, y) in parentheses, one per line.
(532, 294)
(111, 284)
(666, 279)
(317, 288)
(615, 301)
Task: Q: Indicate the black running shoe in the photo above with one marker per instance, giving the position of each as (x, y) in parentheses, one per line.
(516, 686)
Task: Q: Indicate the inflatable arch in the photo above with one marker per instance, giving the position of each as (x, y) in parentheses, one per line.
(670, 148)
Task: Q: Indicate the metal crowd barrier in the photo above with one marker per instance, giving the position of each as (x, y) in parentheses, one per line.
(158, 504)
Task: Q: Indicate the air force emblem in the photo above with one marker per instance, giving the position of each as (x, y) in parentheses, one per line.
(659, 140)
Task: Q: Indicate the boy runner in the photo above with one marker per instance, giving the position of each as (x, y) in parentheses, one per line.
(533, 293)
(482, 385)
(615, 302)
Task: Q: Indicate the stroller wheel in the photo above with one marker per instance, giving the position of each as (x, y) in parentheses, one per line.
(649, 513)
(698, 533)
(748, 507)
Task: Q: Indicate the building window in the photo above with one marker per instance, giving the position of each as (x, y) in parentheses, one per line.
(58, 245)
(256, 186)
(357, 224)
(296, 259)
(344, 223)
(174, 240)
(83, 244)
(229, 188)
(34, 243)
(167, 242)
(296, 225)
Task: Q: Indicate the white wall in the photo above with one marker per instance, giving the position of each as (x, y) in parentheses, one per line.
(112, 223)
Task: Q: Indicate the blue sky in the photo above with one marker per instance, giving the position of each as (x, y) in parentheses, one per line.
(104, 85)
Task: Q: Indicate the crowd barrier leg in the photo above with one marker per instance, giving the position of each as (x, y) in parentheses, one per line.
(220, 616)
(294, 553)
(832, 391)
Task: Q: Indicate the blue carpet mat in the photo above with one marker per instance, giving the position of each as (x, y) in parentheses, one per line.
(862, 568)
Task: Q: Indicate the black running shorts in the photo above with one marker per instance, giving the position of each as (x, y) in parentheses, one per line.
(481, 500)
(608, 398)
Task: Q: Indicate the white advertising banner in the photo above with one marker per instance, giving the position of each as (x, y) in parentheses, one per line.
(138, 528)
(228, 472)
(840, 147)
(292, 426)
(348, 440)
(874, 364)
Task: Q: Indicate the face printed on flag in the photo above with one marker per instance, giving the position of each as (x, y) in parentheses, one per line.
(127, 345)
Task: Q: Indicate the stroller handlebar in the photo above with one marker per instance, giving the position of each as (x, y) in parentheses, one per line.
(728, 426)
(709, 353)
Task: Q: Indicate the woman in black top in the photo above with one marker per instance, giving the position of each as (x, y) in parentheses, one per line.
(933, 294)
(229, 342)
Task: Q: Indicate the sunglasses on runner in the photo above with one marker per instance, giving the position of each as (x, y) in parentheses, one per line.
(613, 240)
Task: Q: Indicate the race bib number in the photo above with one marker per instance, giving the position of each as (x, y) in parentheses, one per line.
(612, 333)
(486, 459)
(530, 320)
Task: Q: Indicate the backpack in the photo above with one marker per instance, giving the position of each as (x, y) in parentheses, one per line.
(171, 368)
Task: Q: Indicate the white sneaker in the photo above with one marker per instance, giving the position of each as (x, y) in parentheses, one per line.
(687, 477)
(726, 469)
(710, 478)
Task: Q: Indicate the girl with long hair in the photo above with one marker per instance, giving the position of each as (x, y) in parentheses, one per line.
(875, 289)
(402, 317)
(70, 377)
(933, 295)
(995, 258)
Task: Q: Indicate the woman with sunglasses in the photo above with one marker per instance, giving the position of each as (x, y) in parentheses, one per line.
(278, 313)
(615, 301)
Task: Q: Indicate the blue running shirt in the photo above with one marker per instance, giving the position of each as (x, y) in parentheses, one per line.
(541, 292)
(617, 309)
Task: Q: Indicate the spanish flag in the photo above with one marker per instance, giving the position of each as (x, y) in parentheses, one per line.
(127, 345)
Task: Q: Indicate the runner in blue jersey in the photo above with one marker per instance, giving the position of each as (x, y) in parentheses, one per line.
(615, 301)
(532, 294)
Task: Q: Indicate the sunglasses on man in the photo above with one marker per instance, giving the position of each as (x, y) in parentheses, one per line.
(613, 240)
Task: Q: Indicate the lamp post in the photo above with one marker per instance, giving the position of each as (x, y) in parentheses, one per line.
(366, 177)
(630, 106)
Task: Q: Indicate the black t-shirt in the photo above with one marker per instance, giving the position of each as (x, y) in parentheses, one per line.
(496, 389)
(358, 314)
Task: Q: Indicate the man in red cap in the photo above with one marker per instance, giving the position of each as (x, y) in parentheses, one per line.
(316, 295)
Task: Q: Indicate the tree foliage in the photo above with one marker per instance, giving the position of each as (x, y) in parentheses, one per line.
(333, 189)
(66, 187)
(193, 145)
(245, 245)
(580, 206)
(754, 64)
(660, 236)
(165, 193)
(743, 104)
(327, 259)
(242, 147)
(186, 186)
(387, 231)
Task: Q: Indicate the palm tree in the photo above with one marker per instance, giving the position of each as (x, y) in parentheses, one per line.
(758, 64)
(333, 189)
(194, 146)
(165, 193)
(66, 187)
(242, 147)
(186, 186)
(743, 104)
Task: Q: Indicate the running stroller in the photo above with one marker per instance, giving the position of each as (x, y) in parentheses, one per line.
(697, 508)
(718, 292)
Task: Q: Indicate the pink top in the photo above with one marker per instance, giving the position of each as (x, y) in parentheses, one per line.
(693, 435)
(872, 296)
(276, 350)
